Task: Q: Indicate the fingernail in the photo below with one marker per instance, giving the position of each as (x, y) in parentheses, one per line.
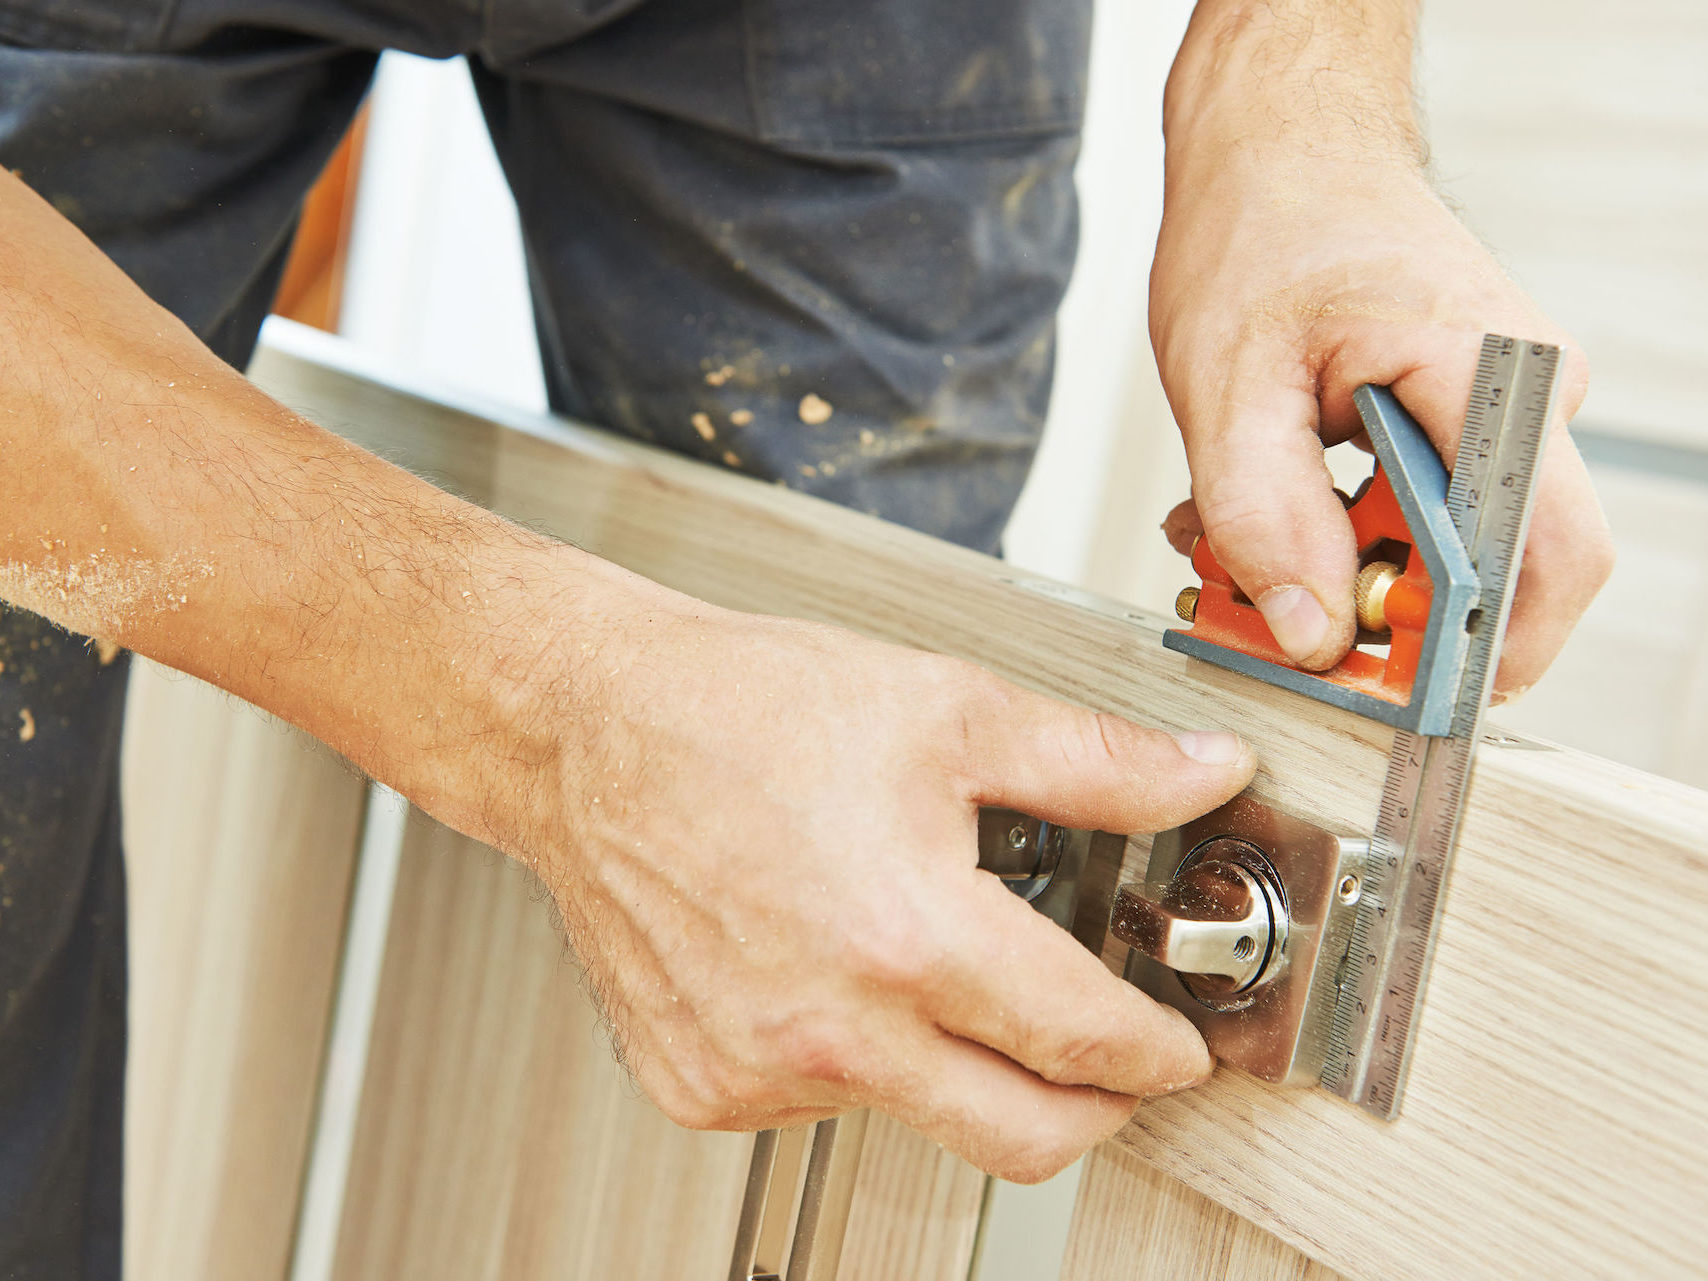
(1192, 1083)
(1210, 746)
(1501, 697)
(1204, 1067)
(1297, 621)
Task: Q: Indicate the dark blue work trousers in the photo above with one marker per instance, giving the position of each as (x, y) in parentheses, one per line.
(728, 206)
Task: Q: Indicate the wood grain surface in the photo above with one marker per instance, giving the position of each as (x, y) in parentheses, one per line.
(1132, 1223)
(497, 1137)
(240, 837)
(915, 1212)
(1555, 1121)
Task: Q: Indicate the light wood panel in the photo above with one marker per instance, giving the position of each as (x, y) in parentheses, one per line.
(241, 835)
(1133, 1224)
(915, 1212)
(497, 1137)
(1555, 1121)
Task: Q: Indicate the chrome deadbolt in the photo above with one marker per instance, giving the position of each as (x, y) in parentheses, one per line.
(1220, 922)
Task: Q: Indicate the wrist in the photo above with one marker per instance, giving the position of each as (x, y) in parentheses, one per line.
(444, 650)
(1294, 80)
(154, 498)
(478, 688)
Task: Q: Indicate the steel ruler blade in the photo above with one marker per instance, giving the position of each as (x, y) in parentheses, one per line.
(1411, 852)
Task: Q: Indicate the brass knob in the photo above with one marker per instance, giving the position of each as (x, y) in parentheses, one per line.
(1186, 604)
(1371, 594)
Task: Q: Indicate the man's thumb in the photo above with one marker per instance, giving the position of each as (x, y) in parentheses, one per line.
(1095, 770)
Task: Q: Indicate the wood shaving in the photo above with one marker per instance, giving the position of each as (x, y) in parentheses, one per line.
(815, 409)
(718, 377)
(741, 417)
(27, 730)
(703, 425)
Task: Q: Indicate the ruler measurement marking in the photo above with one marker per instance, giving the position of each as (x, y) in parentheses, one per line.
(1393, 933)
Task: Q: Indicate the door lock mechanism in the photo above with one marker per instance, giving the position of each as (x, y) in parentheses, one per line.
(1241, 922)
(1220, 922)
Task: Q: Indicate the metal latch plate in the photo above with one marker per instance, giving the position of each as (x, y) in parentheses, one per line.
(1281, 1035)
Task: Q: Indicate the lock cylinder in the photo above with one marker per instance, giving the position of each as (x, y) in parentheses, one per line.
(1220, 922)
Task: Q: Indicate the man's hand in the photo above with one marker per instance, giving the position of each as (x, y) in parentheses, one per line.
(1302, 254)
(766, 856)
(761, 834)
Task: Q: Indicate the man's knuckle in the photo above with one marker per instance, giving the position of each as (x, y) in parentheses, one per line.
(1234, 518)
(893, 952)
(1041, 1153)
(1574, 377)
(1090, 741)
(672, 1095)
(1604, 556)
(1072, 1059)
(817, 1048)
(950, 699)
(939, 670)
(1108, 735)
(700, 1092)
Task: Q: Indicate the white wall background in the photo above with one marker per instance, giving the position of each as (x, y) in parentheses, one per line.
(435, 280)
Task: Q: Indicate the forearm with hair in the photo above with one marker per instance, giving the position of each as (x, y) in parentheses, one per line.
(151, 496)
(1326, 78)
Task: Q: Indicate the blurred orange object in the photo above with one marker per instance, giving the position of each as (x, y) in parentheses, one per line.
(312, 289)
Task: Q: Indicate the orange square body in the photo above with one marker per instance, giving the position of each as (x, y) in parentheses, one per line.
(1397, 603)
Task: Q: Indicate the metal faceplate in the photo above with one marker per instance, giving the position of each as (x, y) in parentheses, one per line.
(1272, 1019)
(1278, 1029)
